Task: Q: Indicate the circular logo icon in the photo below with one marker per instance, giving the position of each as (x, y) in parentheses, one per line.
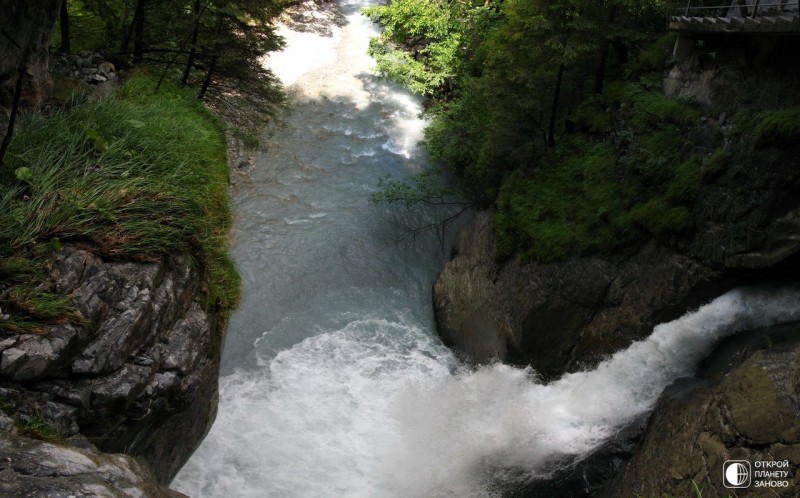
(736, 474)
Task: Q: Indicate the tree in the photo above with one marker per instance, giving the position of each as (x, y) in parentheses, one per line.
(520, 67)
(63, 18)
(212, 45)
(24, 37)
(138, 32)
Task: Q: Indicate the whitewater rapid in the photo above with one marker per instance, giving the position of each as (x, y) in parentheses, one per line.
(380, 408)
(334, 381)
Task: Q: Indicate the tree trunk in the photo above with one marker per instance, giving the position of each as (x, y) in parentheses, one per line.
(25, 28)
(207, 80)
(64, 22)
(600, 72)
(138, 32)
(622, 51)
(605, 45)
(212, 66)
(14, 108)
(193, 50)
(551, 129)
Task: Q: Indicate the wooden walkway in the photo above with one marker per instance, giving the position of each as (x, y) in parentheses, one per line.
(749, 16)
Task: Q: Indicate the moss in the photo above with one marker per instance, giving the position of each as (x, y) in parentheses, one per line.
(658, 217)
(715, 164)
(654, 57)
(686, 181)
(776, 126)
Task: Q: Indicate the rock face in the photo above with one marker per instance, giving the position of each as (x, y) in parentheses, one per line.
(567, 316)
(743, 407)
(142, 371)
(564, 316)
(36, 469)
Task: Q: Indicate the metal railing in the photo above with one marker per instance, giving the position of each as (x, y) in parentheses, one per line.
(738, 9)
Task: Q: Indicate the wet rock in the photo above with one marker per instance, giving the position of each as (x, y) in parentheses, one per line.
(559, 316)
(118, 390)
(743, 408)
(31, 468)
(182, 349)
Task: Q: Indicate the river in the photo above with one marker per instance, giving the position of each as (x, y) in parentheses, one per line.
(334, 383)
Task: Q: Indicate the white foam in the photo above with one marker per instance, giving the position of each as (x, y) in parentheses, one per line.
(375, 410)
(304, 52)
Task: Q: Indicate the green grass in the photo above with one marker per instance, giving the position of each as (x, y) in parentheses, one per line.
(768, 127)
(595, 194)
(777, 126)
(137, 177)
(715, 164)
(35, 427)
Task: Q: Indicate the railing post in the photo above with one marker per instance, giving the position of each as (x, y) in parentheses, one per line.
(688, 4)
(755, 9)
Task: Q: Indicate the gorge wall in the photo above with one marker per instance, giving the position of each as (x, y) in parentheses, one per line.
(142, 371)
(562, 316)
(565, 316)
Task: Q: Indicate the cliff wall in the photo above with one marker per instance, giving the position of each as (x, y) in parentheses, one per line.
(141, 372)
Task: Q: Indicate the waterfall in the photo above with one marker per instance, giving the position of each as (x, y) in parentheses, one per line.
(334, 381)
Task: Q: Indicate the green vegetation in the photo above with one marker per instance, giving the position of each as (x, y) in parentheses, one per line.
(593, 195)
(436, 33)
(715, 164)
(780, 125)
(32, 426)
(35, 427)
(214, 47)
(136, 177)
(553, 114)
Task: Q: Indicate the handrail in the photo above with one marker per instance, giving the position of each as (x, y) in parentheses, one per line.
(748, 9)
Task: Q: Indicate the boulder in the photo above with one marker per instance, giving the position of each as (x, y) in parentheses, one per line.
(144, 369)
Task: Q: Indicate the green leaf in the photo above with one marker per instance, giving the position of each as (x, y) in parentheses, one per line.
(24, 175)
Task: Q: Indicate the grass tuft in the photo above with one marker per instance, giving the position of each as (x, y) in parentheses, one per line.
(136, 177)
(781, 125)
(715, 164)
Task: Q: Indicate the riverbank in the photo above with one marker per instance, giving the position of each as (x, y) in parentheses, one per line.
(116, 283)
